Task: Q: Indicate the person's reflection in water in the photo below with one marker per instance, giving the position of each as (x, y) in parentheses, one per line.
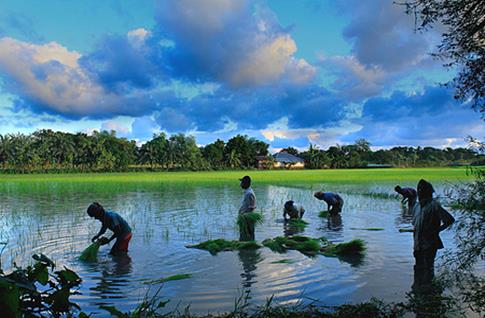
(113, 276)
(334, 222)
(249, 258)
(290, 230)
(426, 295)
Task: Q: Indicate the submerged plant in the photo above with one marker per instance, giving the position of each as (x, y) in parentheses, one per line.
(169, 279)
(220, 245)
(90, 254)
(323, 214)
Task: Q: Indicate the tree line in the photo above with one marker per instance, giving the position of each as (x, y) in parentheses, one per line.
(53, 151)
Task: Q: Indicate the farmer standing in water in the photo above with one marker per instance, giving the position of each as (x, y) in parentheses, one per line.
(429, 220)
(113, 221)
(248, 204)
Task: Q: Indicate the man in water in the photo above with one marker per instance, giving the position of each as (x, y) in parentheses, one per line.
(429, 220)
(408, 194)
(248, 204)
(113, 221)
(333, 200)
(294, 211)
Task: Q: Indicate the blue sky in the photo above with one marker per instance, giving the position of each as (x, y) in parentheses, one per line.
(287, 72)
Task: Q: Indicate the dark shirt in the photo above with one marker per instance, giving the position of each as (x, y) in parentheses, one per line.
(111, 220)
(331, 198)
(408, 193)
(428, 220)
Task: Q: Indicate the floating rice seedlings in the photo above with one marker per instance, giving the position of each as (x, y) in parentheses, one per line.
(323, 214)
(406, 230)
(90, 254)
(284, 261)
(353, 247)
(297, 223)
(221, 245)
(303, 244)
(168, 279)
(367, 228)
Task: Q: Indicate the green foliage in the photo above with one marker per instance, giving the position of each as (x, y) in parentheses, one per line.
(20, 296)
(249, 219)
(220, 245)
(367, 228)
(406, 230)
(90, 253)
(323, 214)
(284, 261)
(356, 246)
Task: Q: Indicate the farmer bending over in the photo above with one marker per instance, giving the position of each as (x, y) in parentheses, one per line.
(113, 221)
(408, 194)
(333, 200)
(294, 211)
(248, 205)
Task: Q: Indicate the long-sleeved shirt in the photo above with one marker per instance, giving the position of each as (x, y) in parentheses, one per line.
(408, 193)
(331, 198)
(248, 203)
(428, 221)
(112, 220)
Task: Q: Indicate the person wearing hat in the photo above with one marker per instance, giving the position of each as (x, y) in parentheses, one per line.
(293, 210)
(408, 194)
(113, 221)
(248, 205)
(333, 200)
(429, 219)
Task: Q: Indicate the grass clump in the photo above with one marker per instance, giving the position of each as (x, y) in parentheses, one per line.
(405, 230)
(323, 214)
(353, 247)
(297, 223)
(368, 228)
(303, 244)
(90, 254)
(221, 245)
(169, 279)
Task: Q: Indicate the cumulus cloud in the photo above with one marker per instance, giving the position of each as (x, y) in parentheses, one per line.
(431, 117)
(229, 41)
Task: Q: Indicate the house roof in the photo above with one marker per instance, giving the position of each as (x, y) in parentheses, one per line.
(287, 158)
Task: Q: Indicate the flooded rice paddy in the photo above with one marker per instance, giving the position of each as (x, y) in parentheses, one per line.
(52, 219)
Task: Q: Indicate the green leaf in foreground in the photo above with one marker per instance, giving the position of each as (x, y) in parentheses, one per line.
(169, 279)
(220, 245)
(367, 228)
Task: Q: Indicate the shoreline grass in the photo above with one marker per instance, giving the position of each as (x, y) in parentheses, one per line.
(396, 175)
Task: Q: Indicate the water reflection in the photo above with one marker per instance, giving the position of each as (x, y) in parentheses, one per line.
(114, 277)
(426, 295)
(290, 230)
(249, 258)
(334, 222)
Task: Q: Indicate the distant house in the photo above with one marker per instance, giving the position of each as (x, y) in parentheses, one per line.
(288, 161)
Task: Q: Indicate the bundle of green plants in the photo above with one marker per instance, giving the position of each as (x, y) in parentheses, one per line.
(90, 254)
(405, 230)
(220, 245)
(250, 219)
(323, 214)
(284, 261)
(297, 223)
(303, 244)
(353, 247)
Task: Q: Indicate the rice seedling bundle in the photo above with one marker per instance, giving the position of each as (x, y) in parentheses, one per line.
(220, 245)
(90, 254)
